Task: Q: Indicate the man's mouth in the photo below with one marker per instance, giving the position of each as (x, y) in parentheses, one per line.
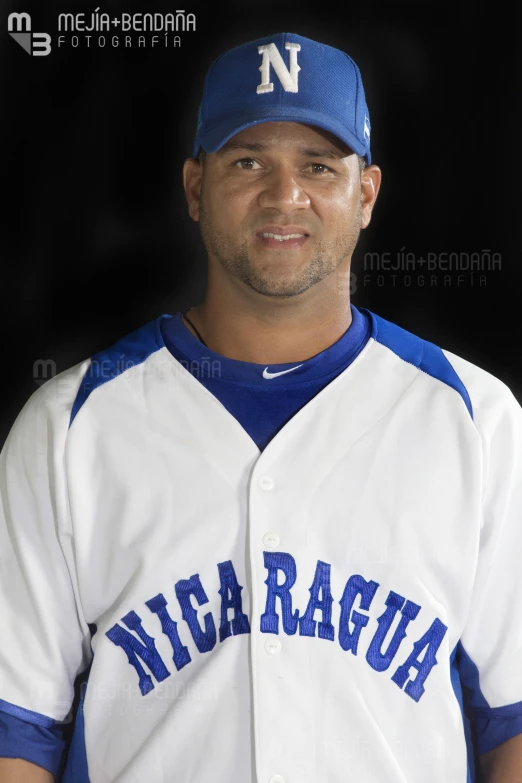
(282, 240)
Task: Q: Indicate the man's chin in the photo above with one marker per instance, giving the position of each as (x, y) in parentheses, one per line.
(281, 287)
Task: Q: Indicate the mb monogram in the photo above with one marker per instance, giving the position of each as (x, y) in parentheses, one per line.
(19, 28)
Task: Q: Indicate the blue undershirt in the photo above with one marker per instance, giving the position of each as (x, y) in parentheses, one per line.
(264, 405)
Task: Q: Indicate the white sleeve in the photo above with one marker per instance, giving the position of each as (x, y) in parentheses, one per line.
(490, 648)
(45, 639)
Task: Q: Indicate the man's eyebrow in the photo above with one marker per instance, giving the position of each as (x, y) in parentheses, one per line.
(323, 152)
(308, 152)
(240, 145)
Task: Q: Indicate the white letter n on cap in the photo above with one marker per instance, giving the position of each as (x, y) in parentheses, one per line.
(287, 78)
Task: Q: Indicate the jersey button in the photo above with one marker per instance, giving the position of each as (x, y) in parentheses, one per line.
(272, 647)
(271, 540)
(277, 779)
(266, 482)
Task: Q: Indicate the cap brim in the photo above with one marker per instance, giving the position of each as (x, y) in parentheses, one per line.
(214, 138)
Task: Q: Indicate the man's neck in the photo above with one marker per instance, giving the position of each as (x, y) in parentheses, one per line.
(279, 336)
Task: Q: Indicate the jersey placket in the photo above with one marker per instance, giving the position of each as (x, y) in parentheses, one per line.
(284, 737)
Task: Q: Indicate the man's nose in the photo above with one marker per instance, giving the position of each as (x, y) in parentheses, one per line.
(283, 191)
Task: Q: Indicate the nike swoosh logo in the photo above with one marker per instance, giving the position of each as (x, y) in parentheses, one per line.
(267, 374)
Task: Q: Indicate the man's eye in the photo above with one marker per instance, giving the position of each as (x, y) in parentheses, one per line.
(320, 168)
(247, 164)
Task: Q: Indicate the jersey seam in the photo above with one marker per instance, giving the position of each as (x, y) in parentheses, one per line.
(99, 385)
(120, 373)
(429, 375)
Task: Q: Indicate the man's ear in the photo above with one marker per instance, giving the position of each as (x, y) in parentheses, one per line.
(370, 184)
(192, 177)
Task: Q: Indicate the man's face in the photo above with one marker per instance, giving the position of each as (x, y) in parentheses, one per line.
(280, 178)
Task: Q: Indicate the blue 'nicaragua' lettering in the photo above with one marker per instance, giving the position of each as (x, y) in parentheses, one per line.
(281, 577)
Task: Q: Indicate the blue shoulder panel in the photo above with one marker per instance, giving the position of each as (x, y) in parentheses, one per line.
(127, 352)
(422, 354)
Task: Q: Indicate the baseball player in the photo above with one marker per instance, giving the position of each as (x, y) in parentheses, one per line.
(275, 537)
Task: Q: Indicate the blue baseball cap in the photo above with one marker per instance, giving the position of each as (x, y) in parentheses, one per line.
(283, 77)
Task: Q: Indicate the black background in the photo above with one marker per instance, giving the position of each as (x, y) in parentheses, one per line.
(95, 239)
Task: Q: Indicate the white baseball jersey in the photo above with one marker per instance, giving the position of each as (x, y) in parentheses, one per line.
(335, 604)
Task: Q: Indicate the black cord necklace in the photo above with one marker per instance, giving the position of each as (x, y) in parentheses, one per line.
(184, 314)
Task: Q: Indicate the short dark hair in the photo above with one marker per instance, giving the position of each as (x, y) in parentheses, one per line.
(361, 159)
